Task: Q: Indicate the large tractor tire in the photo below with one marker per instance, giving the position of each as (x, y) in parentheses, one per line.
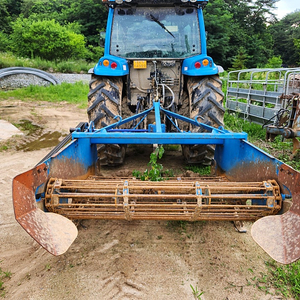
(206, 102)
(104, 102)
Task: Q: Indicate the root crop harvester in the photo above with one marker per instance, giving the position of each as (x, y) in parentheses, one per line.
(155, 84)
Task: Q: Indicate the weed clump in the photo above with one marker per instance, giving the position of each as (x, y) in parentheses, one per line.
(4, 276)
(155, 171)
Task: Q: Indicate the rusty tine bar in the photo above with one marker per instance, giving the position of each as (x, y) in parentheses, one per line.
(166, 196)
(183, 200)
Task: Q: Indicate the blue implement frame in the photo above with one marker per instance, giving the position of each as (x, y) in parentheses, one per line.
(156, 133)
(235, 158)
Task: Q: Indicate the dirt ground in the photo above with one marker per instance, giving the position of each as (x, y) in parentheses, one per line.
(118, 259)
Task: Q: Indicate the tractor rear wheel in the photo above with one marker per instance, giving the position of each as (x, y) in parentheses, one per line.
(104, 102)
(206, 102)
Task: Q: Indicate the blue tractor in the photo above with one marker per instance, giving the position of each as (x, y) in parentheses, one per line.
(155, 50)
(155, 84)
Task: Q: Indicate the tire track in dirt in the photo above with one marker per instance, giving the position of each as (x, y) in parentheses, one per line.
(120, 259)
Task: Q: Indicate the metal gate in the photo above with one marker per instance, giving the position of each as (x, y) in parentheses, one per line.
(258, 94)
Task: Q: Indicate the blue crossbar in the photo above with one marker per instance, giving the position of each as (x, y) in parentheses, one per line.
(156, 134)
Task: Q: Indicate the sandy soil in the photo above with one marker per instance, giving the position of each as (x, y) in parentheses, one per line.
(119, 259)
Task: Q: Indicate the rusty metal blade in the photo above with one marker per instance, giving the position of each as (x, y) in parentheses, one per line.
(53, 232)
(279, 235)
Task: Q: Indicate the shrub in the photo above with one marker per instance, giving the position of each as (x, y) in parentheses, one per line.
(274, 62)
(4, 41)
(46, 39)
(94, 53)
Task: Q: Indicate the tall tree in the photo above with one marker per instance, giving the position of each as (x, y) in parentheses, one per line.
(91, 15)
(232, 24)
(249, 29)
(9, 11)
(217, 17)
(284, 33)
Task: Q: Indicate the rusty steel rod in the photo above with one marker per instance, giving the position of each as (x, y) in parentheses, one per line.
(168, 200)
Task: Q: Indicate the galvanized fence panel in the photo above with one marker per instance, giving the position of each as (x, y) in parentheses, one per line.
(258, 94)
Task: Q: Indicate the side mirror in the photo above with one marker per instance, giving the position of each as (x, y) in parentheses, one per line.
(102, 38)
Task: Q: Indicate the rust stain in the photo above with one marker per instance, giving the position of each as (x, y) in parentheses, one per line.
(279, 235)
(68, 168)
(53, 232)
(24, 186)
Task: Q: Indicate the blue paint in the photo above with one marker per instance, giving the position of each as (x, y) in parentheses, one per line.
(238, 159)
(157, 117)
(156, 133)
(188, 65)
(122, 68)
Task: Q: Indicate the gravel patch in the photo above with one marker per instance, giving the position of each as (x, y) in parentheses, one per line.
(24, 80)
(72, 78)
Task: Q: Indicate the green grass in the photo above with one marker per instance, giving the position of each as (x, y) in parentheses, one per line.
(72, 93)
(68, 66)
(233, 123)
(280, 280)
(284, 279)
(172, 147)
(4, 276)
(201, 170)
(177, 225)
(197, 294)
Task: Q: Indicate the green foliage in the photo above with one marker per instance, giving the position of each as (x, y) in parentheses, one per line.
(46, 39)
(72, 93)
(155, 171)
(286, 157)
(284, 33)
(196, 293)
(4, 15)
(274, 62)
(297, 45)
(240, 60)
(246, 28)
(70, 66)
(233, 123)
(285, 279)
(4, 275)
(179, 225)
(93, 53)
(3, 146)
(9, 10)
(91, 15)
(172, 147)
(4, 41)
(201, 170)
(217, 17)
(230, 25)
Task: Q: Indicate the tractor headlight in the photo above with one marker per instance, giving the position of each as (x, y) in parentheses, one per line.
(119, 1)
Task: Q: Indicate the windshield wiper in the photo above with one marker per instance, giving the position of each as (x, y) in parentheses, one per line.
(161, 25)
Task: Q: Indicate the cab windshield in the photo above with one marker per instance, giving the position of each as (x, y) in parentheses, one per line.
(166, 32)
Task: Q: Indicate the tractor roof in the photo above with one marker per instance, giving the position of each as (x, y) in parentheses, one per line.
(202, 3)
